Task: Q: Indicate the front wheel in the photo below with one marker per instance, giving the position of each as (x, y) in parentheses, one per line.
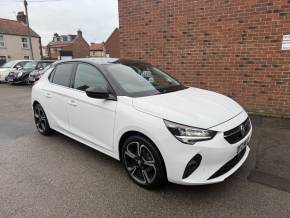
(41, 121)
(143, 162)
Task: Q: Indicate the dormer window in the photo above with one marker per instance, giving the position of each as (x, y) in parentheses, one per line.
(2, 42)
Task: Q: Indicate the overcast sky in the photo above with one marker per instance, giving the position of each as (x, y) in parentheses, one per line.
(96, 18)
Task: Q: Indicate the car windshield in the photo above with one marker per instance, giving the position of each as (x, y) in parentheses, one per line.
(139, 80)
(30, 66)
(41, 72)
(43, 65)
(9, 64)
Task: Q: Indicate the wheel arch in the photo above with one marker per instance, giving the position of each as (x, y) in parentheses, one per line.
(128, 134)
(35, 102)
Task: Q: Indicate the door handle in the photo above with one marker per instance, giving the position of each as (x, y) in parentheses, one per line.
(72, 103)
(48, 95)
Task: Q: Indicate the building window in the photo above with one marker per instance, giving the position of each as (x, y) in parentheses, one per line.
(2, 43)
(26, 58)
(64, 38)
(24, 43)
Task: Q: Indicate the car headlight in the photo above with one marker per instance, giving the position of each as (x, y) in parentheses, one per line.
(187, 134)
(19, 74)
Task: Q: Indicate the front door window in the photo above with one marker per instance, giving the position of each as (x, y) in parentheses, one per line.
(88, 76)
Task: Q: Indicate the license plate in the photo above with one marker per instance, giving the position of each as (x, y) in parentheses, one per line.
(10, 80)
(243, 145)
(32, 79)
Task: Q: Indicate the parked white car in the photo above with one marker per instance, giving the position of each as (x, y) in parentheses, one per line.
(6, 68)
(158, 128)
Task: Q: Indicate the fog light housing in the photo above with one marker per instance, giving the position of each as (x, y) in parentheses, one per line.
(192, 165)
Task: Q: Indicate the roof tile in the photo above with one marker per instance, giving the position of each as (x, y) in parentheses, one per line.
(13, 27)
(97, 47)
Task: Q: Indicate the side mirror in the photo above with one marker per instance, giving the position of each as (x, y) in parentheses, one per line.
(99, 93)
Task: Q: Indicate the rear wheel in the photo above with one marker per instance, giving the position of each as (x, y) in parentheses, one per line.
(41, 121)
(143, 162)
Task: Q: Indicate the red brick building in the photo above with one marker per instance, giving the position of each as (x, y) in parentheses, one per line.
(112, 45)
(232, 47)
(74, 46)
(97, 49)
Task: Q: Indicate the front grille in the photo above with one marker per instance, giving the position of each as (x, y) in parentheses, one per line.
(238, 133)
(229, 165)
(11, 77)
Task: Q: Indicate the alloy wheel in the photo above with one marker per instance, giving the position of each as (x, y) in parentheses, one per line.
(140, 163)
(40, 118)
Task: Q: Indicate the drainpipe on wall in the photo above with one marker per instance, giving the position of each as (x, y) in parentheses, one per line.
(29, 32)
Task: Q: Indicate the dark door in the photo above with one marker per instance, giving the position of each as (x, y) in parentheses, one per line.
(2, 60)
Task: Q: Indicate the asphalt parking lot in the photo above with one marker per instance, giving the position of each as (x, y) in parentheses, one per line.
(59, 177)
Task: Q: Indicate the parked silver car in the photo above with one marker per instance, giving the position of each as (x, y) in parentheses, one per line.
(37, 73)
(10, 66)
(22, 75)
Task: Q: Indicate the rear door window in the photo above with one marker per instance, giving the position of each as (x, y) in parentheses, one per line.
(62, 74)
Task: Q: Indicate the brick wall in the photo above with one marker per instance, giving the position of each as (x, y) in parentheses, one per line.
(80, 48)
(112, 44)
(229, 46)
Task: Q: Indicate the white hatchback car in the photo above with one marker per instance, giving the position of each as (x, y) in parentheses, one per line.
(158, 128)
(6, 68)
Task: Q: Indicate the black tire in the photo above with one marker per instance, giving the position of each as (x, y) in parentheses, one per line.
(41, 121)
(26, 82)
(144, 166)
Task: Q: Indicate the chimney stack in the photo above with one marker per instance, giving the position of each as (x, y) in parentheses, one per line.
(80, 33)
(55, 37)
(21, 17)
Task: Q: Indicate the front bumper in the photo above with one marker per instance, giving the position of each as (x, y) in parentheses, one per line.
(14, 79)
(216, 154)
(3, 78)
(33, 78)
